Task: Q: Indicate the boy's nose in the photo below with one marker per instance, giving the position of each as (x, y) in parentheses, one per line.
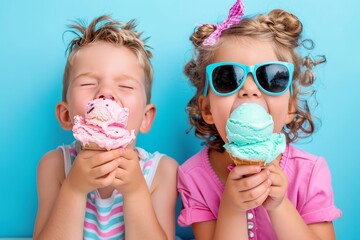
(249, 89)
(107, 97)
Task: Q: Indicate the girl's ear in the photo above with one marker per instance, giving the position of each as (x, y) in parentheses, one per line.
(291, 111)
(204, 106)
(149, 117)
(63, 116)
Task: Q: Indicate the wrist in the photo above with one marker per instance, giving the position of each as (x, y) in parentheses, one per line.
(278, 207)
(136, 193)
(68, 186)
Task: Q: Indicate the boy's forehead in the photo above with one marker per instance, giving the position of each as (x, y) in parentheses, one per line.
(102, 51)
(105, 58)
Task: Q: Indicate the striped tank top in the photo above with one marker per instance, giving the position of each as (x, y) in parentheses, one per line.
(104, 218)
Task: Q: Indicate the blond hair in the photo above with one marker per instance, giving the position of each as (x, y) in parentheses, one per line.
(106, 29)
(283, 29)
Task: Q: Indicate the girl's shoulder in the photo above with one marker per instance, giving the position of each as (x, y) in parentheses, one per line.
(299, 163)
(198, 160)
(294, 154)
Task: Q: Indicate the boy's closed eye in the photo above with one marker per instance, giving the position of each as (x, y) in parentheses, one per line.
(84, 82)
(126, 86)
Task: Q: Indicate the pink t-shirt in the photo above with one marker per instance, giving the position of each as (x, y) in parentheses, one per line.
(309, 190)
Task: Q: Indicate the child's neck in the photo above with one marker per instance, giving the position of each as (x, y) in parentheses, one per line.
(106, 192)
(219, 162)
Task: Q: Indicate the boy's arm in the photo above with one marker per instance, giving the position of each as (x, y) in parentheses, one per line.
(151, 214)
(164, 195)
(60, 212)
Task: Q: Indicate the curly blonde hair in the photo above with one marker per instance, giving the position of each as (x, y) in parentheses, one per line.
(106, 29)
(283, 29)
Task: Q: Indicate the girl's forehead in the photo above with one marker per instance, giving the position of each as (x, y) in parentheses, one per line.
(245, 50)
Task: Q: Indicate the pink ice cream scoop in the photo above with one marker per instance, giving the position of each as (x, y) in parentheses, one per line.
(104, 126)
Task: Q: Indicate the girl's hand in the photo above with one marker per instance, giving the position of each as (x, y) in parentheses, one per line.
(246, 187)
(129, 177)
(93, 169)
(278, 187)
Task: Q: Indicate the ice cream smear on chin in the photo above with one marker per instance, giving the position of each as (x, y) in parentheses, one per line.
(250, 134)
(104, 125)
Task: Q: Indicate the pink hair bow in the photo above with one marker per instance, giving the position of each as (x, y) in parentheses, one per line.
(235, 14)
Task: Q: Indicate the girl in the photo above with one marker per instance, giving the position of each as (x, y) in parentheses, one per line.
(292, 197)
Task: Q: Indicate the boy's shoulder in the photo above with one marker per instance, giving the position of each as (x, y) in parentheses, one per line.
(52, 156)
(51, 163)
(168, 162)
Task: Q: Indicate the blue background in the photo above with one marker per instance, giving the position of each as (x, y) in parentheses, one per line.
(32, 58)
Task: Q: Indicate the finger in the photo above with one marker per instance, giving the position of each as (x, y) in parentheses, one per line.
(276, 192)
(275, 179)
(277, 176)
(257, 201)
(106, 180)
(105, 168)
(239, 172)
(256, 192)
(120, 172)
(251, 181)
(129, 153)
(104, 157)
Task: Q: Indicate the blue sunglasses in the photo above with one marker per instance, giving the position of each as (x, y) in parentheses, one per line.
(226, 78)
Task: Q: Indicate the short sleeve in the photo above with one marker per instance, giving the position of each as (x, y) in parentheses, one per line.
(319, 203)
(194, 205)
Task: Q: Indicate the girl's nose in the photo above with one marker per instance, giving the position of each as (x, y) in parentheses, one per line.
(249, 89)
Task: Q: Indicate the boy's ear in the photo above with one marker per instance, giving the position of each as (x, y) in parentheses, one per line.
(291, 111)
(150, 111)
(63, 116)
(204, 106)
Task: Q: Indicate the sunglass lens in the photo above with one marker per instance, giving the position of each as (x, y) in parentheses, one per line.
(273, 77)
(227, 78)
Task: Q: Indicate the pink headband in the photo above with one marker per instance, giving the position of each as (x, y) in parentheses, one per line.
(235, 14)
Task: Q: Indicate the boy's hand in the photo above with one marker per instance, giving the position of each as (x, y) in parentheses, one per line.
(278, 187)
(129, 177)
(93, 169)
(246, 187)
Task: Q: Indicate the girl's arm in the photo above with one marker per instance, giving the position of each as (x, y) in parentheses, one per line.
(148, 214)
(285, 218)
(288, 224)
(246, 187)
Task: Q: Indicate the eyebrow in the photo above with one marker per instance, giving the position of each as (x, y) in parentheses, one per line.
(117, 77)
(84, 75)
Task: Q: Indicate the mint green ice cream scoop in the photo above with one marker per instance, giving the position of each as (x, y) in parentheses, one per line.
(250, 134)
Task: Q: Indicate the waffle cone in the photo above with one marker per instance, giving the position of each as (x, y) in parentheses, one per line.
(239, 161)
(93, 146)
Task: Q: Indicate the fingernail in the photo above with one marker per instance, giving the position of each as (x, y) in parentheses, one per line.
(230, 166)
(122, 151)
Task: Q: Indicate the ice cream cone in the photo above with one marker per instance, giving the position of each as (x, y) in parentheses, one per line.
(238, 161)
(93, 146)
